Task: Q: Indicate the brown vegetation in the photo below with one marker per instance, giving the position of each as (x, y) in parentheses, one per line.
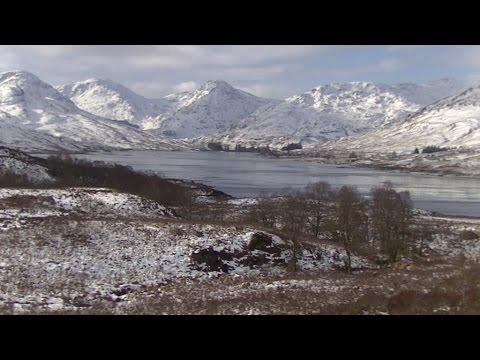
(70, 172)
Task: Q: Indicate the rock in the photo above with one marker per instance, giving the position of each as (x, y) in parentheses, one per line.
(215, 146)
(292, 146)
(255, 260)
(260, 241)
(124, 289)
(213, 260)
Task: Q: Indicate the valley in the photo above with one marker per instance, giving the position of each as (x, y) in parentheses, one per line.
(218, 201)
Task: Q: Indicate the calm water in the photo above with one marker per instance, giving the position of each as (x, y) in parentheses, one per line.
(248, 174)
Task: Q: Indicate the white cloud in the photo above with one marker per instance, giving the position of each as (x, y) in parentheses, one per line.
(387, 65)
(185, 86)
(266, 70)
(8, 60)
(151, 89)
(267, 91)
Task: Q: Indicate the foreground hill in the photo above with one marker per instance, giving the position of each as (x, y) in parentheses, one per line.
(97, 251)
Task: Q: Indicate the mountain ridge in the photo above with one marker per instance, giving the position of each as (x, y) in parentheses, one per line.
(452, 122)
(27, 104)
(68, 116)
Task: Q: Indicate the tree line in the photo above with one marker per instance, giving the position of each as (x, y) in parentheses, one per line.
(382, 223)
(72, 172)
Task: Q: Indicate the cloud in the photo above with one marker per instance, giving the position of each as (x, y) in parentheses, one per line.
(266, 70)
(387, 65)
(185, 86)
(267, 91)
(149, 89)
(8, 59)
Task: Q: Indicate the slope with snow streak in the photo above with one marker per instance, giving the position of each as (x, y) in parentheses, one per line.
(19, 137)
(450, 122)
(28, 103)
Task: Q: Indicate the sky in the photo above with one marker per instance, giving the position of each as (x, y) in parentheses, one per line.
(275, 71)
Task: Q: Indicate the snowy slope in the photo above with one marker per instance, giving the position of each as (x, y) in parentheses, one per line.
(214, 107)
(332, 111)
(18, 137)
(450, 122)
(110, 100)
(13, 162)
(29, 103)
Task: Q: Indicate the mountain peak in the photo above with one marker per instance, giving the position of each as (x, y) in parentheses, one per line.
(92, 82)
(19, 76)
(22, 87)
(217, 84)
(109, 99)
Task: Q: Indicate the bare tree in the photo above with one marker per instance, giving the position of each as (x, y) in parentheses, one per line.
(424, 234)
(265, 212)
(293, 214)
(318, 196)
(391, 217)
(350, 222)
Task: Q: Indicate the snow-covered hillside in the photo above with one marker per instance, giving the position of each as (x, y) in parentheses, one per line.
(31, 105)
(331, 111)
(215, 107)
(16, 136)
(450, 122)
(110, 100)
(17, 163)
(96, 114)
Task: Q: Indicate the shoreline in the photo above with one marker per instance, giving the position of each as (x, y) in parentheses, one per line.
(214, 192)
(304, 157)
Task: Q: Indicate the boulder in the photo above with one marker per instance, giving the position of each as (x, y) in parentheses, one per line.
(213, 260)
(292, 146)
(260, 241)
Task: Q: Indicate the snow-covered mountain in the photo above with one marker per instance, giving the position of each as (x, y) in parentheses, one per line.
(219, 113)
(215, 107)
(332, 111)
(450, 122)
(31, 107)
(102, 114)
(111, 100)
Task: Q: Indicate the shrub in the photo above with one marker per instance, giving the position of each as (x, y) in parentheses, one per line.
(432, 149)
